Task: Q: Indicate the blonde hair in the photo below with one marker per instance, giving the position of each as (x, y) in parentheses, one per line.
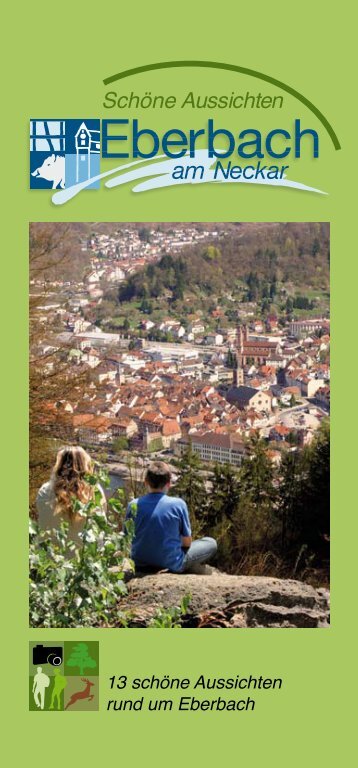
(69, 482)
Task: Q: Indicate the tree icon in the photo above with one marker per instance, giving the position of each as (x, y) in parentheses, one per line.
(81, 658)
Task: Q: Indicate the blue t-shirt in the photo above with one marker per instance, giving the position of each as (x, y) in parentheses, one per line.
(160, 522)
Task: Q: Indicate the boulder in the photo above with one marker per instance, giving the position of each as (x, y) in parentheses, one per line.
(221, 600)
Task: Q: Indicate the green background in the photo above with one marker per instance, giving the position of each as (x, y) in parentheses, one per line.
(55, 58)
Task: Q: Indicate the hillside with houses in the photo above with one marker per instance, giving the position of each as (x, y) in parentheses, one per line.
(179, 341)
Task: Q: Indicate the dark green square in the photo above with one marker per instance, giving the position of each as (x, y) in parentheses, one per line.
(81, 658)
(53, 695)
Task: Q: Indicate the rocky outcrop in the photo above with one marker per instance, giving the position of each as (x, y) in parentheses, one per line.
(221, 600)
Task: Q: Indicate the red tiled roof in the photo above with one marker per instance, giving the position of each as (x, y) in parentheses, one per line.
(280, 429)
(170, 427)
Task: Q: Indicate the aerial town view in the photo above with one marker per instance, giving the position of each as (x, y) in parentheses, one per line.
(206, 346)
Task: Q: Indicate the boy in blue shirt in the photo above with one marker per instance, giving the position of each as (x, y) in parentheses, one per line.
(162, 538)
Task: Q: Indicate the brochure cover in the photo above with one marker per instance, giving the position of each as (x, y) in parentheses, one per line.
(178, 209)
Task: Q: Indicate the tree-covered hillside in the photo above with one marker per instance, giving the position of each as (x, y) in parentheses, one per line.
(259, 256)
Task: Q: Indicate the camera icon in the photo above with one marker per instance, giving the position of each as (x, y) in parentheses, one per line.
(47, 655)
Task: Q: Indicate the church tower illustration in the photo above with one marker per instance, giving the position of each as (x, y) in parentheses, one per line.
(87, 143)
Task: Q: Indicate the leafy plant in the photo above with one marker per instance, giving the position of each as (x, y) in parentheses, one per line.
(171, 618)
(73, 586)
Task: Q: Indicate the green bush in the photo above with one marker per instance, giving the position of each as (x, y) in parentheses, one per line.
(73, 586)
(171, 618)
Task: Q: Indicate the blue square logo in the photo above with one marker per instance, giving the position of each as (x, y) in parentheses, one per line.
(64, 153)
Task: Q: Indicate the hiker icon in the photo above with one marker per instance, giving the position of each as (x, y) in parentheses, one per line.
(59, 685)
(41, 682)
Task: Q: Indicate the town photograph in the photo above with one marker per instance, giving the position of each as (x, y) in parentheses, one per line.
(179, 424)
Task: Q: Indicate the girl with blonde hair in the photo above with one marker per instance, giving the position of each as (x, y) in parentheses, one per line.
(68, 483)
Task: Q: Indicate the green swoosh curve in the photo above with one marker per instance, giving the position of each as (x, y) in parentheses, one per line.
(230, 68)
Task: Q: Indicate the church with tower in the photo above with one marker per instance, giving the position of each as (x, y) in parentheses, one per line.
(259, 352)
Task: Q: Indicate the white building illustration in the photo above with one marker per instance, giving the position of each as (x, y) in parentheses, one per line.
(87, 143)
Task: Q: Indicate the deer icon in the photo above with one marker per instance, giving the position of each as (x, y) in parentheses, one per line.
(84, 694)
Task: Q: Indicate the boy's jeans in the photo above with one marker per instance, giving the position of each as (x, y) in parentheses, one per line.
(200, 551)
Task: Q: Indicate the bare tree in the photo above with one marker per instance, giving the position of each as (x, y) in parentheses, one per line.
(54, 380)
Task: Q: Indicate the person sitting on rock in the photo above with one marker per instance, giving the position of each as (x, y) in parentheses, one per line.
(69, 483)
(162, 533)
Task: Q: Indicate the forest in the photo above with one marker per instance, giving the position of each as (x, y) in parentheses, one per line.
(286, 253)
(266, 520)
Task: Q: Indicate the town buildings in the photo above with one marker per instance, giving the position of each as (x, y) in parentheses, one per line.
(214, 385)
